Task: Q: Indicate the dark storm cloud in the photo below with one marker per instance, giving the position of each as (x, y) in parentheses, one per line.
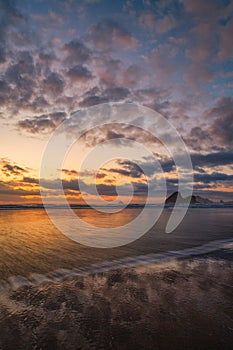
(44, 123)
(77, 52)
(109, 34)
(79, 73)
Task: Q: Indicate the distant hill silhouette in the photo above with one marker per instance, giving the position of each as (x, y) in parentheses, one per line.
(176, 196)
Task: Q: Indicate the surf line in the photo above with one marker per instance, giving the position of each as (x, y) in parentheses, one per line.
(15, 282)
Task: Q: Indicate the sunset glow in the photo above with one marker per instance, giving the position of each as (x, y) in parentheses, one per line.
(59, 57)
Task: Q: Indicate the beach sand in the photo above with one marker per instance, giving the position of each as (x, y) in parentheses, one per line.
(179, 304)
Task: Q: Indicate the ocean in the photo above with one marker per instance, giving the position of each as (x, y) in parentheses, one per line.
(30, 243)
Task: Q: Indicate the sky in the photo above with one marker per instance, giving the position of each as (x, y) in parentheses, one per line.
(60, 57)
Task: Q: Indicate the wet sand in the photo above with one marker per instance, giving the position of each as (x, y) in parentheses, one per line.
(181, 304)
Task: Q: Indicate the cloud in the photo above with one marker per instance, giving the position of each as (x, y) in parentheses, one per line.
(199, 138)
(76, 52)
(226, 50)
(79, 73)
(119, 134)
(213, 177)
(171, 72)
(109, 70)
(92, 101)
(133, 76)
(109, 35)
(46, 58)
(43, 124)
(38, 104)
(163, 62)
(150, 20)
(2, 55)
(215, 194)
(5, 90)
(200, 160)
(10, 17)
(30, 180)
(20, 75)
(147, 20)
(54, 84)
(127, 168)
(116, 93)
(222, 126)
(217, 129)
(9, 169)
(70, 172)
(165, 24)
(212, 159)
(110, 94)
(6, 192)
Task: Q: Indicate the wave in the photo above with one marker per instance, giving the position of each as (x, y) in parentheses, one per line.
(15, 282)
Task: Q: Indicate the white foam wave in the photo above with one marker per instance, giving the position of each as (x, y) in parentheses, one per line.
(35, 279)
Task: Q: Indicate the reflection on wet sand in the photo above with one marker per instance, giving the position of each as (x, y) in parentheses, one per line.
(185, 304)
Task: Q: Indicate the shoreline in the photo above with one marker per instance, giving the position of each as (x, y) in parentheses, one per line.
(14, 283)
(131, 206)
